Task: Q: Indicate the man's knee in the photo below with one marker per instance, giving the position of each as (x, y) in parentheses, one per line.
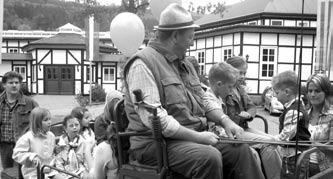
(211, 157)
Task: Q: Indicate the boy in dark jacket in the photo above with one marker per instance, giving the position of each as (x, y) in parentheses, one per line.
(285, 85)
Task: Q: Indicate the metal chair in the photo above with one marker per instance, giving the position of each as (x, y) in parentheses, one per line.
(264, 120)
(128, 168)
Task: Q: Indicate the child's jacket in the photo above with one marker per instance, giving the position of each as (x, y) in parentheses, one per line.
(71, 155)
(288, 125)
(28, 147)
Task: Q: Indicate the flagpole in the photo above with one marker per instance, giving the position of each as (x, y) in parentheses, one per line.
(1, 24)
(91, 52)
(299, 86)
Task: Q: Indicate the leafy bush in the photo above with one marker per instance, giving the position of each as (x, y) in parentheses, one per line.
(24, 89)
(82, 100)
(98, 95)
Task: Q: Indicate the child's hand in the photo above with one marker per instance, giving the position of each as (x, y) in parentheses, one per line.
(36, 161)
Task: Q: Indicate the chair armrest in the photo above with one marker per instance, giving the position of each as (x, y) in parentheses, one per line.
(264, 120)
(129, 134)
(304, 155)
(328, 173)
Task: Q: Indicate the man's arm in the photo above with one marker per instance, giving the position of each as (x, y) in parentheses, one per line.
(140, 77)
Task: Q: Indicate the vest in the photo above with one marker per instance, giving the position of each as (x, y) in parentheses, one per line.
(303, 132)
(180, 93)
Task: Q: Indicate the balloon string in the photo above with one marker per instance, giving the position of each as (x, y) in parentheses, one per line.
(300, 143)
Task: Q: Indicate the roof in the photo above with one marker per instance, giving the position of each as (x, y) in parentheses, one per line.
(250, 7)
(63, 40)
(17, 56)
(110, 58)
(69, 28)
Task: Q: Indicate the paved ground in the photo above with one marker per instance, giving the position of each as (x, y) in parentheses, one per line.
(61, 105)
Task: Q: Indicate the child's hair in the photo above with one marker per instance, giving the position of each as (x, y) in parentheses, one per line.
(222, 72)
(236, 61)
(36, 117)
(66, 119)
(78, 112)
(286, 79)
(321, 81)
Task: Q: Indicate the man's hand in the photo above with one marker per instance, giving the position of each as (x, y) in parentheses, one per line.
(233, 130)
(208, 138)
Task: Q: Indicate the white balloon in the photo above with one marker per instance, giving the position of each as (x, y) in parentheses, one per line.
(157, 6)
(127, 33)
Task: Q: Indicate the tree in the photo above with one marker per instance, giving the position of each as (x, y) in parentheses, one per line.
(209, 8)
(135, 6)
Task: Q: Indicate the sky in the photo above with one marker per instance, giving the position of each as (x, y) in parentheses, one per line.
(185, 2)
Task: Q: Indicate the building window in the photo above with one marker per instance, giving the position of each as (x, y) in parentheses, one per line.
(201, 61)
(252, 23)
(276, 22)
(12, 50)
(109, 74)
(227, 53)
(88, 73)
(268, 62)
(305, 24)
(22, 71)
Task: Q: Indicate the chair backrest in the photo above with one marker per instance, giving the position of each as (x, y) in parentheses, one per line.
(120, 125)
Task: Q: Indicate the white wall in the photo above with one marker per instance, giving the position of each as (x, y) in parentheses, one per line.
(5, 66)
(59, 57)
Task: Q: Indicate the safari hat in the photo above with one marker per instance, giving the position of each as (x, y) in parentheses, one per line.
(175, 17)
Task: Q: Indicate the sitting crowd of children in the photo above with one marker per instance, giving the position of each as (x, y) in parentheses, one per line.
(73, 152)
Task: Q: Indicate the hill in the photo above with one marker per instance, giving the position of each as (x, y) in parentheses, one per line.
(51, 14)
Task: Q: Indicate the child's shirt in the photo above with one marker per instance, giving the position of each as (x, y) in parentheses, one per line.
(288, 127)
(237, 102)
(88, 134)
(71, 155)
(28, 147)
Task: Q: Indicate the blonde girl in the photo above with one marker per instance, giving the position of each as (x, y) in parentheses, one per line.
(37, 145)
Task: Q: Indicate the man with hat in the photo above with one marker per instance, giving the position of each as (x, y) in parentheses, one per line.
(169, 82)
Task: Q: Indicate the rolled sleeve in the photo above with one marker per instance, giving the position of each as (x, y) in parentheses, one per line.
(211, 102)
(140, 77)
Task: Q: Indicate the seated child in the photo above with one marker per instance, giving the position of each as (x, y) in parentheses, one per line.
(285, 85)
(222, 78)
(71, 155)
(37, 145)
(84, 116)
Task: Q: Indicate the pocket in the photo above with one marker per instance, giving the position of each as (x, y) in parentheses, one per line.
(173, 91)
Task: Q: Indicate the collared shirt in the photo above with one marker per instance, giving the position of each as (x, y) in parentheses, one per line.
(322, 131)
(140, 77)
(289, 130)
(7, 113)
(14, 119)
(290, 123)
